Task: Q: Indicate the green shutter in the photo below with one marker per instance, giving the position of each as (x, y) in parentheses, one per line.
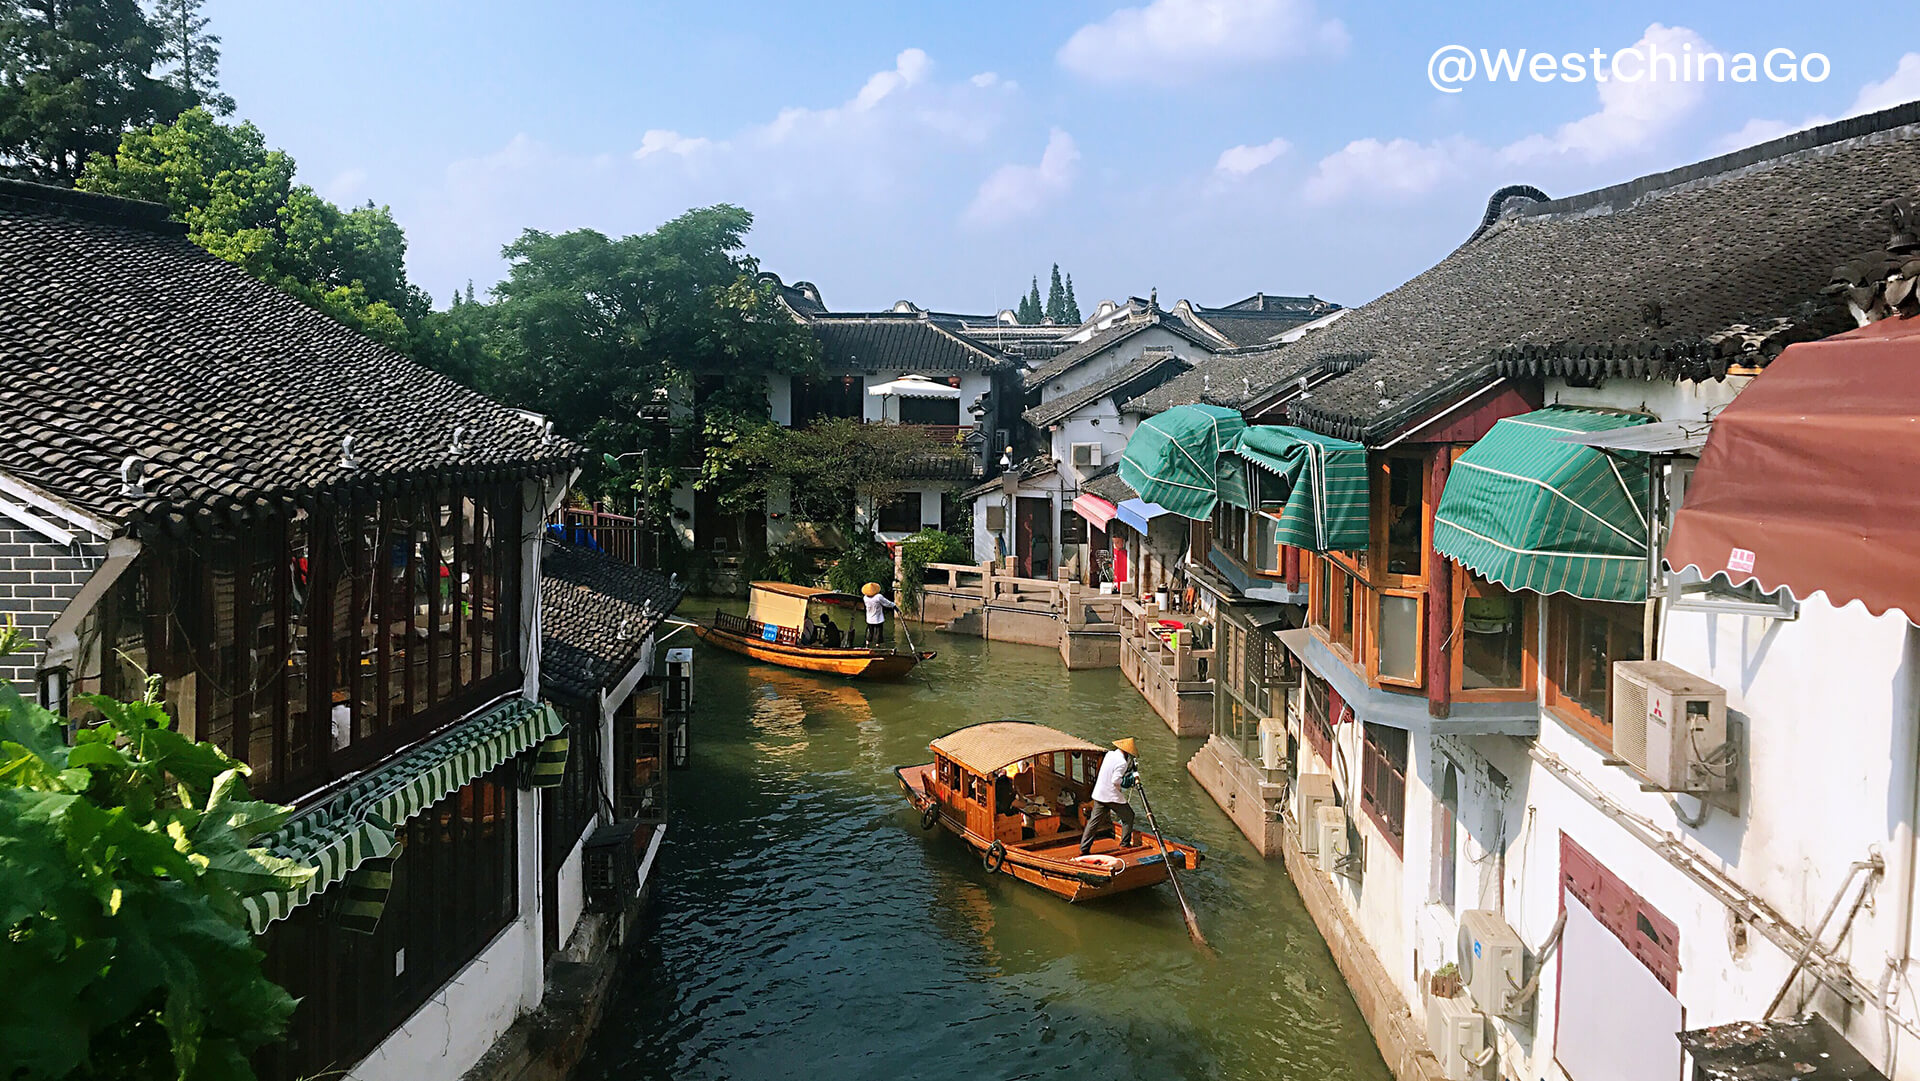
(1324, 503)
(1528, 511)
(1174, 459)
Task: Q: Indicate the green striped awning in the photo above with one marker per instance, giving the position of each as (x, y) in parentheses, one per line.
(327, 839)
(1530, 512)
(1317, 484)
(1174, 459)
(357, 823)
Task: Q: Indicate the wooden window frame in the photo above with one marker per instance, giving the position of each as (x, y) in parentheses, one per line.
(1383, 785)
(1529, 646)
(1596, 730)
(1316, 726)
(1379, 471)
(1419, 678)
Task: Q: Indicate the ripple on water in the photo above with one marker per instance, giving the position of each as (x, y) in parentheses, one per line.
(803, 925)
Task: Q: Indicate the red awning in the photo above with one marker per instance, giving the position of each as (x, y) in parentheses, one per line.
(1811, 478)
(1094, 509)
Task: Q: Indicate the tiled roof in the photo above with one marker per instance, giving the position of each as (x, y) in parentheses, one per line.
(1130, 379)
(121, 339)
(595, 614)
(1252, 328)
(1038, 466)
(1236, 377)
(908, 341)
(1113, 335)
(802, 298)
(1675, 276)
(1106, 484)
(1306, 307)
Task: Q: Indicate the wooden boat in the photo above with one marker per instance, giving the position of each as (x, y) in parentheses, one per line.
(777, 613)
(1015, 793)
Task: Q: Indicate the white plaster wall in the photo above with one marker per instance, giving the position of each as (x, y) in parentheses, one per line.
(972, 385)
(1676, 401)
(1098, 422)
(985, 541)
(1830, 711)
(1116, 356)
(780, 398)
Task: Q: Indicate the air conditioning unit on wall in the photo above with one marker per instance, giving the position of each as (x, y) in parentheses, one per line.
(1273, 743)
(1311, 791)
(1086, 455)
(1331, 848)
(1458, 1037)
(1493, 965)
(1671, 727)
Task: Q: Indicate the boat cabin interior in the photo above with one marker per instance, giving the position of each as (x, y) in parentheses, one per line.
(1036, 802)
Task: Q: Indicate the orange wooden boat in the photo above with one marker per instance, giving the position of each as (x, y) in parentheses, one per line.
(771, 631)
(1015, 794)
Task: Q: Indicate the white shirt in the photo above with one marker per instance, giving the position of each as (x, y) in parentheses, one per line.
(1106, 785)
(877, 606)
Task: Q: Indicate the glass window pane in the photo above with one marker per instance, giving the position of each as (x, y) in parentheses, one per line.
(1266, 544)
(1405, 491)
(1399, 637)
(1492, 637)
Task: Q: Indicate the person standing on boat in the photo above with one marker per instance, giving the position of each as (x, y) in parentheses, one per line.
(877, 606)
(1110, 797)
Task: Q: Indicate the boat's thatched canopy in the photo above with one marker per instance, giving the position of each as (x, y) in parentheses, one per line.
(985, 748)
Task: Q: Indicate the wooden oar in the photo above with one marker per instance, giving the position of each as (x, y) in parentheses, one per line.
(1186, 910)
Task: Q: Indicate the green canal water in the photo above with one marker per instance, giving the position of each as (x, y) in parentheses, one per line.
(802, 924)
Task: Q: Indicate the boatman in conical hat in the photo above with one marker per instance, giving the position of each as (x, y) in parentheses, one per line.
(1110, 797)
(877, 606)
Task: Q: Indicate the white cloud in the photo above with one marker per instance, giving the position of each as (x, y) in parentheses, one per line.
(909, 69)
(662, 141)
(1243, 159)
(1171, 41)
(1397, 169)
(1896, 89)
(1018, 191)
(1634, 113)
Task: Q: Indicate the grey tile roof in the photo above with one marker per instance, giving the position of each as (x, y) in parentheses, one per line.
(1082, 351)
(1306, 307)
(1131, 379)
(1673, 276)
(1236, 377)
(121, 339)
(595, 614)
(908, 341)
(1038, 466)
(802, 298)
(1253, 328)
(1106, 484)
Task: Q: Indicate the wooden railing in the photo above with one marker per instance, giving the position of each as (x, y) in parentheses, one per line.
(754, 629)
(621, 537)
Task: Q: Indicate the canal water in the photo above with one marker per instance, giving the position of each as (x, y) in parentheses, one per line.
(803, 925)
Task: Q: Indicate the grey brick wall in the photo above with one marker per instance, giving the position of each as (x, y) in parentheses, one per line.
(38, 579)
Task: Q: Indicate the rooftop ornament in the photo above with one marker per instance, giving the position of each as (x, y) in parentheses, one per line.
(459, 445)
(132, 476)
(347, 460)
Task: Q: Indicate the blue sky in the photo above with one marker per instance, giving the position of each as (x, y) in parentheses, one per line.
(945, 152)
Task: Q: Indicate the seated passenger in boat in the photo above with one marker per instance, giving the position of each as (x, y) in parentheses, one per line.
(829, 632)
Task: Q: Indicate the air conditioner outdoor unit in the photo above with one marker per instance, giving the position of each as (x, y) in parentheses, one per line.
(1086, 455)
(1311, 791)
(1670, 726)
(1493, 964)
(1458, 1037)
(1331, 823)
(1273, 743)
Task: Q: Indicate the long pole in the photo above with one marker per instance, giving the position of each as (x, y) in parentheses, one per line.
(1186, 910)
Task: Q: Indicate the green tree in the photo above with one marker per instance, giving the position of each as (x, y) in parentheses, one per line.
(124, 858)
(825, 467)
(1073, 306)
(74, 75)
(239, 201)
(193, 53)
(1030, 310)
(593, 330)
(1056, 298)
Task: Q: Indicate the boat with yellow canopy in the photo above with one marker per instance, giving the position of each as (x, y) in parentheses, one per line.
(1017, 794)
(778, 614)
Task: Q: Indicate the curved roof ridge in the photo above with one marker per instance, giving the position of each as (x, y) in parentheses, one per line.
(1793, 144)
